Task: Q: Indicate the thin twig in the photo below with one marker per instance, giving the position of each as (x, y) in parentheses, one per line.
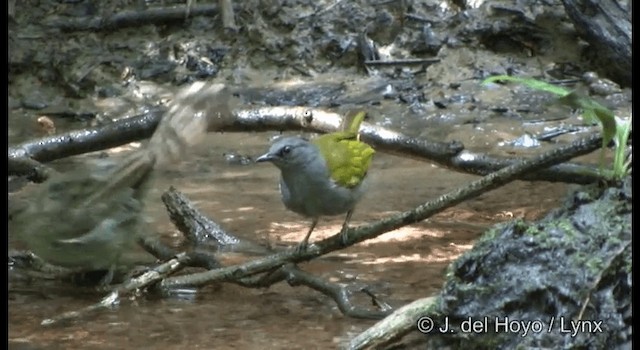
(339, 293)
(584, 307)
(421, 18)
(321, 11)
(402, 62)
(107, 302)
(155, 247)
(112, 299)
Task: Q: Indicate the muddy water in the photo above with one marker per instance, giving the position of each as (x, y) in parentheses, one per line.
(399, 266)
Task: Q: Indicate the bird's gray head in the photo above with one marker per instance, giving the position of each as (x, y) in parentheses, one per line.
(291, 153)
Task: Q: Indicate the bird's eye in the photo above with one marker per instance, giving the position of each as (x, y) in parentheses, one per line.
(285, 150)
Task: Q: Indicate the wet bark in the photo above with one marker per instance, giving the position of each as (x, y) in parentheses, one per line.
(448, 154)
(571, 268)
(132, 18)
(607, 27)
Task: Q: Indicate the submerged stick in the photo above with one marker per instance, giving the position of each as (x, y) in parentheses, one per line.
(145, 280)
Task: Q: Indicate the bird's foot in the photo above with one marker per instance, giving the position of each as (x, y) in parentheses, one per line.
(301, 248)
(106, 280)
(343, 236)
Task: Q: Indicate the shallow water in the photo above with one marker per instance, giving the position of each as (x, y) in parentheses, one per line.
(399, 266)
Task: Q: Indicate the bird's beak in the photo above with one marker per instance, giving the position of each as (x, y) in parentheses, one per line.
(267, 157)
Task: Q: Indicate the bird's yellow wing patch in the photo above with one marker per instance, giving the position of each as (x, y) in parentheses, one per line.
(348, 159)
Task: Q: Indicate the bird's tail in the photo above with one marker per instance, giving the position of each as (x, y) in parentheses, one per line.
(185, 124)
(351, 122)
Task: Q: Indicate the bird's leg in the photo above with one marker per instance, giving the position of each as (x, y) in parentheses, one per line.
(345, 225)
(303, 245)
(108, 277)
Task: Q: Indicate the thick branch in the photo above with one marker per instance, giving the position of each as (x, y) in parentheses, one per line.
(422, 212)
(450, 155)
(183, 211)
(132, 18)
(32, 169)
(228, 18)
(396, 325)
(475, 188)
(88, 140)
(196, 227)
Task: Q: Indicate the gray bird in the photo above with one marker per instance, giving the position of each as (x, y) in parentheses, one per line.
(322, 177)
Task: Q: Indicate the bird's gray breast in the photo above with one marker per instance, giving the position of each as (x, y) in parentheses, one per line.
(311, 192)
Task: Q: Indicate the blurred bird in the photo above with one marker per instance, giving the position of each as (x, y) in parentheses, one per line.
(86, 218)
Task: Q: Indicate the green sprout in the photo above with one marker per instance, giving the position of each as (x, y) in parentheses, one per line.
(592, 111)
(622, 166)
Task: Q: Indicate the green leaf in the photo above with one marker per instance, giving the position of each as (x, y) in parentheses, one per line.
(620, 165)
(593, 110)
(532, 83)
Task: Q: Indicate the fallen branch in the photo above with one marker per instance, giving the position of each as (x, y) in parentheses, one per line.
(88, 140)
(197, 228)
(145, 280)
(228, 17)
(450, 155)
(183, 211)
(132, 18)
(339, 293)
(32, 169)
(26, 259)
(369, 231)
(396, 325)
(405, 62)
